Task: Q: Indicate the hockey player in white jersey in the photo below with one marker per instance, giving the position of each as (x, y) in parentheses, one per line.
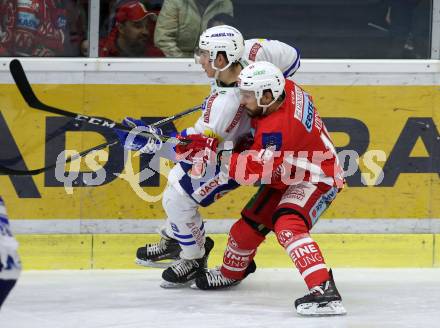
(282, 55)
(10, 266)
(183, 236)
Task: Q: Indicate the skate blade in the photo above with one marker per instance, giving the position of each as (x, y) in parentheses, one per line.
(174, 285)
(315, 310)
(194, 286)
(152, 264)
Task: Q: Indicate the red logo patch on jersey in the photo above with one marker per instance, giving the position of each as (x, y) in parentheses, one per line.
(284, 236)
(208, 107)
(296, 192)
(236, 119)
(298, 103)
(254, 51)
(318, 122)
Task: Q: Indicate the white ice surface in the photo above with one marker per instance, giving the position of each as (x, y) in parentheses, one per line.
(122, 299)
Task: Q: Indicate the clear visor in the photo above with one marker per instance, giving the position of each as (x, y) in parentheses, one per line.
(200, 54)
(247, 95)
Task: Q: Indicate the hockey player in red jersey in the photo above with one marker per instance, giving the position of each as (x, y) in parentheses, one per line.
(183, 235)
(294, 160)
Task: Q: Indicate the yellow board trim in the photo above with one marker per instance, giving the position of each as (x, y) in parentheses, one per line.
(117, 251)
(55, 252)
(436, 251)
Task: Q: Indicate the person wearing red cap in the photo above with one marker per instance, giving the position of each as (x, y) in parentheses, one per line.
(130, 37)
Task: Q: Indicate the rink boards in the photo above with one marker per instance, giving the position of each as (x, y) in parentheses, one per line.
(388, 114)
(391, 128)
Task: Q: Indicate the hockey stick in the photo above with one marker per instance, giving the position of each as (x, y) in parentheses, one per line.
(28, 94)
(164, 121)
(155, 124)
(10, 171)
(31, 99)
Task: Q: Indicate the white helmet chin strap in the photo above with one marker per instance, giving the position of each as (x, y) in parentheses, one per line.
(220, 69)
(265, 107)
(217, 73)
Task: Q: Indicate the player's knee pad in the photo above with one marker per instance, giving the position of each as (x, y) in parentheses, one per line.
(293, 235)
(291, 218)
(245, 236)
(178, 206)
(242, 246)
(288, 227)
(180, 209)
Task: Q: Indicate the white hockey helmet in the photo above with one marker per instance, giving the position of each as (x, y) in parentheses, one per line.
(222, 38)
(261, 76)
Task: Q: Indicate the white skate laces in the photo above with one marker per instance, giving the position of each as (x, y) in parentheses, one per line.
(182, 267)
(157, 248)
(318, 289)
(216, 279)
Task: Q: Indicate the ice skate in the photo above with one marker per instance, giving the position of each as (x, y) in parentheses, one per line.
(159, 255)
(214, 279)
(183, 272)
(322, 300)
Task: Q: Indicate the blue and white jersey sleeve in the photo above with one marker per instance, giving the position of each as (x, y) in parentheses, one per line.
(10, 265)
(222, 117)
(282, 55)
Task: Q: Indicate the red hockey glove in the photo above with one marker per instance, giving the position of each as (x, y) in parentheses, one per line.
(201, 149)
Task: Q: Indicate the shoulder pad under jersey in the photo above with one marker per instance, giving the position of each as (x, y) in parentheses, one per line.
(282, 55)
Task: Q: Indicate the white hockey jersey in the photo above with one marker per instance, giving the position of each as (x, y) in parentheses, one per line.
(222, 116)
(285, 57)
(221, 110)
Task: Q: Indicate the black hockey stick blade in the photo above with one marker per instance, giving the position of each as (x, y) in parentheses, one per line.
(164, 121)
(31, 99)
(23, 85)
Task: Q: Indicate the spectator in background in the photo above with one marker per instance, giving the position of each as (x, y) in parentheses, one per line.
(221, 19)
(32, 28)
(76, 16)
(131, 36)
(400, 19)
(108, 10)
(180, 23)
